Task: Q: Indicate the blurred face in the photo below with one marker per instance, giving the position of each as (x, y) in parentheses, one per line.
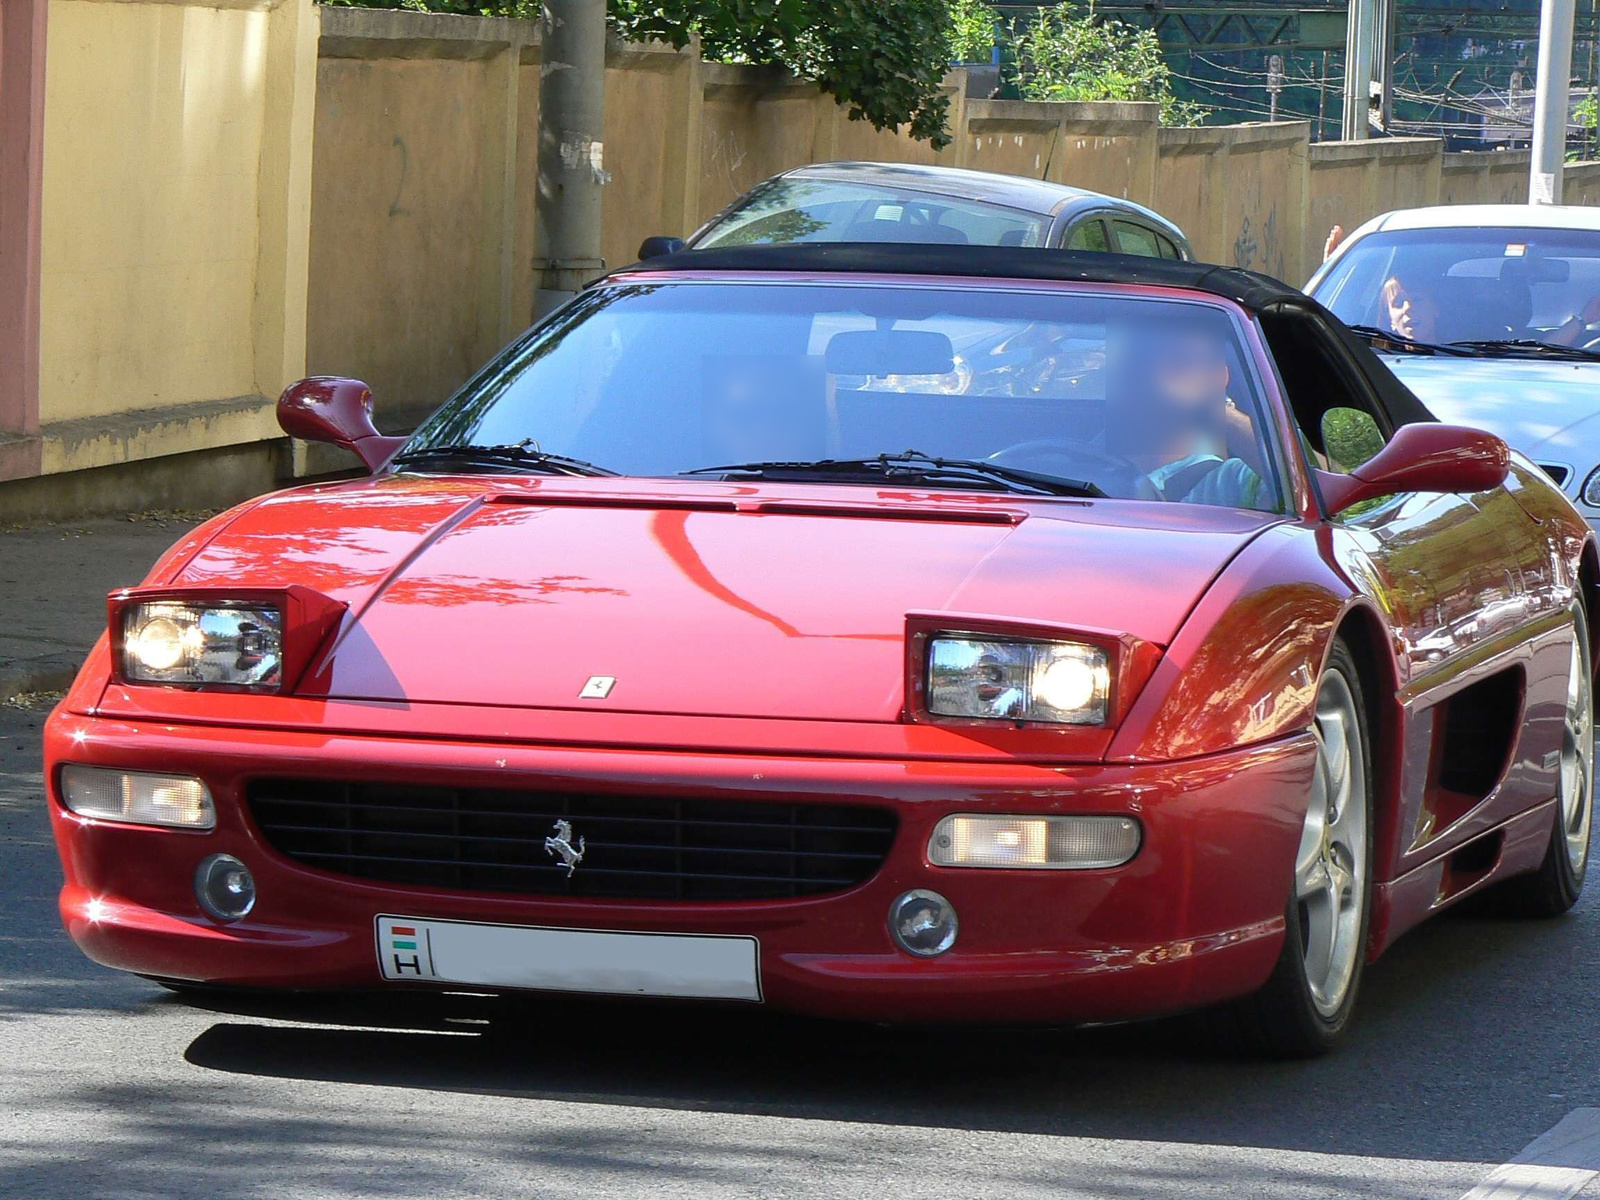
(755, 409)
(1190, 378)
(1411, 313)
(1173, 386)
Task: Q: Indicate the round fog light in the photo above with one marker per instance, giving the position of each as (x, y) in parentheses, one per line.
(224, 887)
(923, 923)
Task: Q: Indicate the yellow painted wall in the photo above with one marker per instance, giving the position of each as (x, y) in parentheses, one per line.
(639, 129)
(1012, 145)
(750, 131)
(153, 135)
(396, 215)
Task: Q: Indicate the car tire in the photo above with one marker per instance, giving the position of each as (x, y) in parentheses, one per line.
(1556, 885)
(1306, 1003)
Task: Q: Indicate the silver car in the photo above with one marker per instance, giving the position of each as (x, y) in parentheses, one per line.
(1491, 315)
(900, 202)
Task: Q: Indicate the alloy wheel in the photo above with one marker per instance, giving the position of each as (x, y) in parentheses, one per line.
(1330, 868)
(1577, 758)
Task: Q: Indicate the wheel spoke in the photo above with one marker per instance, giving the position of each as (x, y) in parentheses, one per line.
(1313, 881)
(1335, 739)
(1340, 881)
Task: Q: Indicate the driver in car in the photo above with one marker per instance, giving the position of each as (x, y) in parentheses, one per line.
(1173, 420)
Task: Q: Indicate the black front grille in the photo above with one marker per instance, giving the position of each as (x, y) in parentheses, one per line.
(644, 847)
(1558, 473)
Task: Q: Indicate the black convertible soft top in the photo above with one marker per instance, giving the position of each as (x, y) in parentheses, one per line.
(1290, 312)
(1245, 288)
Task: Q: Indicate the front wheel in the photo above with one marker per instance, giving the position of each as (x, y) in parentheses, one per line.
(1307, 1002)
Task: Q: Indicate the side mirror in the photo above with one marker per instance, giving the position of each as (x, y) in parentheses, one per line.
(659, 246)
(1422, 458)
(326, 408)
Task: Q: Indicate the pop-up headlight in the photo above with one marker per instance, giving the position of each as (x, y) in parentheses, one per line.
(171, 642)
(258, 641)
(1065, 683)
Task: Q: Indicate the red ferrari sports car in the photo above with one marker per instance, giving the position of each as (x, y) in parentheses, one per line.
(892, 632)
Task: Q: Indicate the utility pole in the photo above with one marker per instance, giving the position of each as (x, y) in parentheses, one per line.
(1322, 95)
(1274, 83)
(1359, 42)
(1368, 66)
(1551, 101)
(1383, 32)
(572, 90)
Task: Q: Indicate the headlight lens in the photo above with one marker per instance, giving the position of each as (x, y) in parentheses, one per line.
(1591, 489)
(137, 798)
(1050, 843)
(1067, 683)
(229, 645)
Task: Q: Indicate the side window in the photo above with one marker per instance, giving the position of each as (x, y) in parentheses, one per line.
(1089, 235)
(1136, 239)
(1340, 425)
(1168, 250)
(1349, 438)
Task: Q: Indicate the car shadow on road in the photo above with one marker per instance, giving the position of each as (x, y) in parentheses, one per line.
(1464, 1038)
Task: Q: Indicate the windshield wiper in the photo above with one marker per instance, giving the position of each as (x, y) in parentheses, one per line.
(1399, 341)
(918, 465)
(519, 455)
(1530, 346)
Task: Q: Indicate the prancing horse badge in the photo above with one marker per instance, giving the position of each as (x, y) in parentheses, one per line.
(598, 687)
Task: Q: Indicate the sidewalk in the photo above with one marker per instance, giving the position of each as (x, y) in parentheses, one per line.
(53, 584)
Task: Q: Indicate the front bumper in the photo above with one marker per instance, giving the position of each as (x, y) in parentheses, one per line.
(1195, 918)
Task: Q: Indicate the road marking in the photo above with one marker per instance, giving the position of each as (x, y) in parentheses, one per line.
(1554, 1166)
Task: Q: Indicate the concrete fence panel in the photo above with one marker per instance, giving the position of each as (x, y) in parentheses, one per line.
(172, 203)
(399, 208)
(1239, 193)
(755, 123)
(1012, 137)
(1581, 184)
(1108, 148)
(1498, 177)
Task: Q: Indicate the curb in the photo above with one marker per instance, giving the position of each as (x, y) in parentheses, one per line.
(45, 676)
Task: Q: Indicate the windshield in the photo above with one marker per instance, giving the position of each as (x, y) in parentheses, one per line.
(820, 210)
(1140, 398)
(1449, 286)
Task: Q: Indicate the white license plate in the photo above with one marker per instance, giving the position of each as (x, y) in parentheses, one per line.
(570, 960)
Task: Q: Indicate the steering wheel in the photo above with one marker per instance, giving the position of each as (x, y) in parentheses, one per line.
(1073, 459)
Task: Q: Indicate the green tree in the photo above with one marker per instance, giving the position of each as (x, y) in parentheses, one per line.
(1063, 56)
(1586, 116)
(972, 31)
(885, 61)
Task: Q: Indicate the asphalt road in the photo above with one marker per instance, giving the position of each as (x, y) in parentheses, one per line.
(1475, 1036)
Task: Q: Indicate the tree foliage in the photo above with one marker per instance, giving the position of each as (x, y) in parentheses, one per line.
(884, 60)
(1062, 56)
(972, 31)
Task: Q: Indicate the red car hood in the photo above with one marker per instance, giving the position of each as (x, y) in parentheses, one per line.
(704, 599)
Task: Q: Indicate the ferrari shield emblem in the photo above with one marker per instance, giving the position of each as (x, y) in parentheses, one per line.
(598, 687)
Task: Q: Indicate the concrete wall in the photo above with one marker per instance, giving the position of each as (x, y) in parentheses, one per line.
(238, 192)
(22, 72)
(174, 224)
(1239, 193)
